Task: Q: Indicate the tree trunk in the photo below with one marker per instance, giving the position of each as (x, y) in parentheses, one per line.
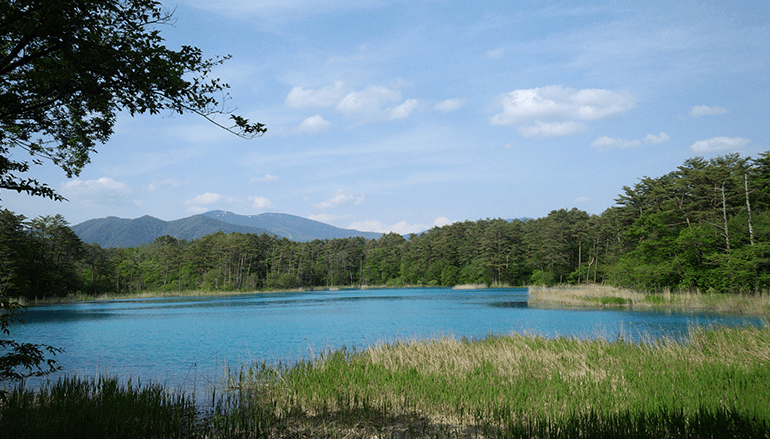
(724, 217)
(748, 208)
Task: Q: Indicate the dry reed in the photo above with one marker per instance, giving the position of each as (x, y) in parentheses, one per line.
(599, 296)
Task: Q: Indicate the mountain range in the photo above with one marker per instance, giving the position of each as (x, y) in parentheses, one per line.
(121, 232)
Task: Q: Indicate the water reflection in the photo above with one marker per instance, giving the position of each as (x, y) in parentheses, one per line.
(517, 304)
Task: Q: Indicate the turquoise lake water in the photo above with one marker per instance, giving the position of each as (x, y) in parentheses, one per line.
(185, 342)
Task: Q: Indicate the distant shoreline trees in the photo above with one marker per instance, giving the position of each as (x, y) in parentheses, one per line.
(703, 227)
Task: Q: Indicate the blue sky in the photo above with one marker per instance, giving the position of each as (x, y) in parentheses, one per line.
(401, 115)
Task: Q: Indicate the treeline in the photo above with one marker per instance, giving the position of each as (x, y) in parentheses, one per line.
(704, 227)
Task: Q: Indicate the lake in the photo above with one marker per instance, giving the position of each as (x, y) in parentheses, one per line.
(185, 342)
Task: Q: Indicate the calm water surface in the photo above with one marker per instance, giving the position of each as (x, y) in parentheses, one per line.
(185, 342)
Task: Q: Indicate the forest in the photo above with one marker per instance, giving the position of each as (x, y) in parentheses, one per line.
(704, 227)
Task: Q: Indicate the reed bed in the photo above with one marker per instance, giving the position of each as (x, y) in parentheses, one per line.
(81, 297)
(599, 296)
(714, 384)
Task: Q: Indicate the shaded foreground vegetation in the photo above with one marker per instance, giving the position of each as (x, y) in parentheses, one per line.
(716, 384)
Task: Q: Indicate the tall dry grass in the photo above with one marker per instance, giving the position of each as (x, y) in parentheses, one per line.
(609, 296)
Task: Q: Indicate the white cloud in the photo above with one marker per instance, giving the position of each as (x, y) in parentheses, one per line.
(320, 97)
(260, 203)
(656, 140)
(547, 129)
(339, 199)
(496, 53)
(155, 185)
(375, 102)
(401, 227)
(558, 103)
(404, 110)
(720, 144)
(368, 101)
(580, 200)
(266, 178)
(314, 124)
(604, 143)
(210, 200)
(206, 198)
(448, 105)
(442, 221)
(705, 110)
(102, 191)
(559, 111)
(281, 10)
(609, 142)
(206, 201)
(102, 184)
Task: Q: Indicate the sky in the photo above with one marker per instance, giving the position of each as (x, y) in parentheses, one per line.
(398, 116)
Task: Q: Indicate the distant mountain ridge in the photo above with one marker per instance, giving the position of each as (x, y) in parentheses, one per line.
(290, 226)
(121, 232)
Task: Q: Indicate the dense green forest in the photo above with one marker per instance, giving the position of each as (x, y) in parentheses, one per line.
(703, 227)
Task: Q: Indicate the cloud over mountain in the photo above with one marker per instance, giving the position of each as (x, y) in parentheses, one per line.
(102, 191)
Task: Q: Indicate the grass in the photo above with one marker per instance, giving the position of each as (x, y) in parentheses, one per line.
(717, 384)
(83, 297)
(608, 296)
(74, 408)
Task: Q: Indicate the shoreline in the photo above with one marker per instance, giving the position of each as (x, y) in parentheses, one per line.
(564, 296)
(199, 293)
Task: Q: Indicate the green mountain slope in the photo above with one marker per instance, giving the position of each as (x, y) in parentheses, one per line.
(293, 227)
(120, 232)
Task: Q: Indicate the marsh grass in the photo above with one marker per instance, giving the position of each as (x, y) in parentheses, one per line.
(718, 382)
(714, 384)
(83, 297)
(608, 296)
(74, 408)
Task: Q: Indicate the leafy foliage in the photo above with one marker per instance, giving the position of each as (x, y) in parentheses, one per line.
(17, 252)
(20, 360)
(67, 68)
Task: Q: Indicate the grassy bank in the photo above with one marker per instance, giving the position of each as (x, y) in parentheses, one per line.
(715, 385)
(599, 296)
(82, 297)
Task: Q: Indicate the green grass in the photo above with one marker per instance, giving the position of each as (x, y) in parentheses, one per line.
(73, 408)
(717, 384)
